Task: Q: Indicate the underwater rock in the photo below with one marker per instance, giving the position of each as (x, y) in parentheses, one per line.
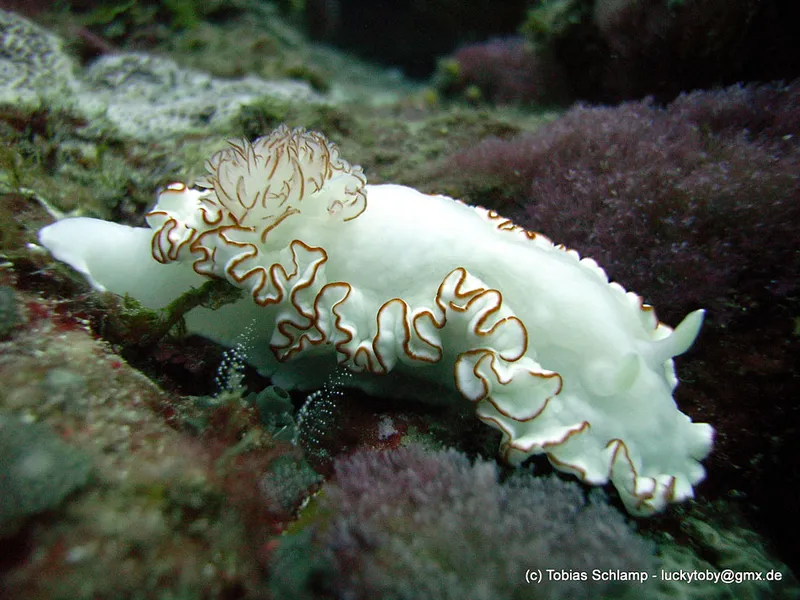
(132, 95)
(34, 69)
(37, 471)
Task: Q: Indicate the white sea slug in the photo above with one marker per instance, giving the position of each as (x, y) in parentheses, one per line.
(403, 287)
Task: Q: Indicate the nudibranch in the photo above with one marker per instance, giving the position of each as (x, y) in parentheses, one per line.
(402, 287)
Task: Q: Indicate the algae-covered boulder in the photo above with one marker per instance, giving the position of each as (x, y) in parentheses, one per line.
(37, 471)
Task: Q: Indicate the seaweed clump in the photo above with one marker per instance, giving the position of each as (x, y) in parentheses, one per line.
(409, 523)
(695, 204)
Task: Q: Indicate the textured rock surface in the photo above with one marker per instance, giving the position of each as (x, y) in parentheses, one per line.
(34, 68)
(132, 95)
(37, 470)
(149, 97)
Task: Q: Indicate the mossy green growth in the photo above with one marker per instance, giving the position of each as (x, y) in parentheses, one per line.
(213, 294)
(314, 513)
(44, 154)
(105, 13)
(131, 323)
(293, 7)
(118, 19)
(186, 14)
(9, 315)
(314, 77)
(448, 73)
(11, 168)
(473, 94)
(262, 117)
(550, 20)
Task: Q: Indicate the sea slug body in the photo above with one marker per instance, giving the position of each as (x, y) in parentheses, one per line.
(400, 286)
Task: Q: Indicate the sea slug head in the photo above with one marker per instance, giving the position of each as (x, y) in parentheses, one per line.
(254, 188)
